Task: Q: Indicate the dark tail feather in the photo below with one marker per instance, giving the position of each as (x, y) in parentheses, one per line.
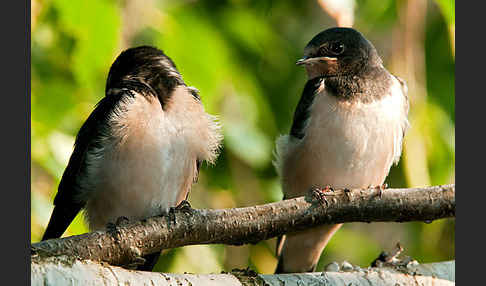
(278, 252)
(59, 221)
(150, 261)
(279, 269)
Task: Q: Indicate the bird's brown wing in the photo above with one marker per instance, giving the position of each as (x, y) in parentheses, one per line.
(404, 87)
(406, 107)
(302, 112)
(301, 116)
(69, 201)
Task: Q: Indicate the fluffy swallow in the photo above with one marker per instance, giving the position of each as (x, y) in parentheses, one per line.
(140, 150)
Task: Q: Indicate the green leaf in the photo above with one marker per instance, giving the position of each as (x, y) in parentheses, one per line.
(448, 9)
(94, 24)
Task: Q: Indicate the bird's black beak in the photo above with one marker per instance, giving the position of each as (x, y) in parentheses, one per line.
(302, 61)
(309, 60)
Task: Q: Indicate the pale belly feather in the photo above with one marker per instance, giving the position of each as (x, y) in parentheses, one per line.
(152, 164)
(347, 145)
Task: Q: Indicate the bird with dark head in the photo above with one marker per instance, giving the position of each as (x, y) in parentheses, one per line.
(144, 65)
(347, 132)
(339, 51)
(140, 150)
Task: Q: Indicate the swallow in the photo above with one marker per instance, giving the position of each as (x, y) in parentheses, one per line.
(346, 133)
(140, 150)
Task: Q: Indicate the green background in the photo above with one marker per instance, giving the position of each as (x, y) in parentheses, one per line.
(240, 55)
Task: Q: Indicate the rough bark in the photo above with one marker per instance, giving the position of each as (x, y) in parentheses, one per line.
(63, 270)
(125, 244)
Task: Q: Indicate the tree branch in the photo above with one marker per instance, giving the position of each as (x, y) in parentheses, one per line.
(126, 243)
(63, 270)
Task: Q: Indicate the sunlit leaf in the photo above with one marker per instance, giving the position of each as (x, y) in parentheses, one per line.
(448, 8)
(94, 25)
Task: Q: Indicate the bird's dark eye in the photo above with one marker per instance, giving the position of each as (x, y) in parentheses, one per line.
(336, 48)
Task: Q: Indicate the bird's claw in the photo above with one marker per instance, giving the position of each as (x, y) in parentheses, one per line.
(320, 194)
(327, 189)
(381, 188)
(184, 206)
(112, 229)
(172, 216)
(121, 221)
(348, 193)
(386, 259)
(136, 262)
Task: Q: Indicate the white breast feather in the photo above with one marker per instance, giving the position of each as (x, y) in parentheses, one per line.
(347, 144)
(150, 163)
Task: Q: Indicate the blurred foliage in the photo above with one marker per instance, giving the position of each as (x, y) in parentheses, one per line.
(240, 54)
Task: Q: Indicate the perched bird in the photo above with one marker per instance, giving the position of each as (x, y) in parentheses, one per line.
(346, 133)
(140, 150)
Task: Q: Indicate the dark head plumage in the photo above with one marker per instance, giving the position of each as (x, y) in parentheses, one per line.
(338, 51)
(144, 66)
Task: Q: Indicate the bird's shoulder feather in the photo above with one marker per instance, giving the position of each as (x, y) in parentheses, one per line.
(404, 88)
(406, 107)
(302, 112)
(88, 140)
